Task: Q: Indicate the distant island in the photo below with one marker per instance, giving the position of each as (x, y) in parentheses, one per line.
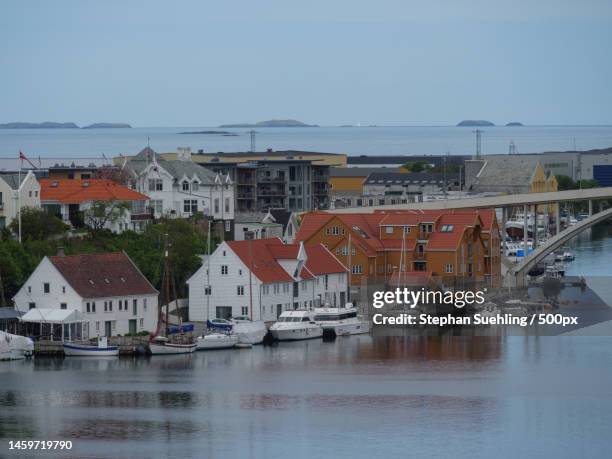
(108, 126)
(53, 125)
(43, 125)
(270, 123)
(514, 123)
(476, 123)
(224, 133)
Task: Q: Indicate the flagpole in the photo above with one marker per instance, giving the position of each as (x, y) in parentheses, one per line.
(19, 193)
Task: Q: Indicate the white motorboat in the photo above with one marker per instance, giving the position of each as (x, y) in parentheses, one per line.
(160, 345)
(216, 341)
(102, 349)
(296, 325)
(15, 347)
(249, 331)
(343, 321)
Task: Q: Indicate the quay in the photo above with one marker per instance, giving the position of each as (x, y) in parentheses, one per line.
(128, 345)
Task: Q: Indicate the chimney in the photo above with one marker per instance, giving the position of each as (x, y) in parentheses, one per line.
(183, 153)
(60, 252)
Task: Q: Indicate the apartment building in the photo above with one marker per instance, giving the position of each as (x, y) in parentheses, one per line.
(453, 245)
(17, 189)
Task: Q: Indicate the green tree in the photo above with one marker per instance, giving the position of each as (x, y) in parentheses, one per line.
(36, 224)
(102, 213)
(565, 182)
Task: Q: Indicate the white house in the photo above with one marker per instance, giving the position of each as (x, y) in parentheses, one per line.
(107, 288)
(180, 188)
(12, 191)
(261, 278)
(72, 201)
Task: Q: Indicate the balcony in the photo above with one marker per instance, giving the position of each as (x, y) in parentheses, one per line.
(279, 193)
(245, 196)
(271, 179)
(143, 216)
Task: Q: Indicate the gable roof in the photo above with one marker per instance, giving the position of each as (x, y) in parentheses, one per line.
(264, 254)
(99, 275)
(74, 191)
(507, 170)
(177, 169)
(407, 178)
(281, 216)
(12, 179)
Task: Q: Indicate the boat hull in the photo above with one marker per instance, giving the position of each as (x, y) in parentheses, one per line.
(78, 350)
(295, 334)
(342, 328)
(216, 341)
(171, 348)
(250, 332)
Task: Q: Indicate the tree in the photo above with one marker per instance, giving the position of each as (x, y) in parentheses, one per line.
(565, 182)
(417, 166)
(37, 224)
(102, 213)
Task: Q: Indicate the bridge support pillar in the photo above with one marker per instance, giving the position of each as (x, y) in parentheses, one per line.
(557, 218)
(503, 230)
(590, 207)
(535, 227)
(525, 228)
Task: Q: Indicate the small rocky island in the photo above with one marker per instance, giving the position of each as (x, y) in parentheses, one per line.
(269, 123)
(514, 123)
(43, 125)
(475, 123)
(108, 126)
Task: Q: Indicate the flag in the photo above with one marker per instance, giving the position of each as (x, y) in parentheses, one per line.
(21, 155)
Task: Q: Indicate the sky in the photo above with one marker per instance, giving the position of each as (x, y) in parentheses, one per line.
(329, 62)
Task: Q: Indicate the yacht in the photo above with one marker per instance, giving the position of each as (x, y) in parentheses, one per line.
(15, 347)
(343, 321)
(295, 325)
(102, 349)
(249, 331)
(160, 345)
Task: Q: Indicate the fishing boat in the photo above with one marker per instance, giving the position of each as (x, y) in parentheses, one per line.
(249, 331)
(15, 347)
(296, 325)
(342, 321)
(216, 341)
(102, 349)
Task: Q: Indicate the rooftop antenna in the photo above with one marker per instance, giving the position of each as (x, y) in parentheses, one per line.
(252, 132)
(478, 133)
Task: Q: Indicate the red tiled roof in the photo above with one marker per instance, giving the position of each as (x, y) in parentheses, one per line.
(265, 254)
(75, 191)
(97, 275)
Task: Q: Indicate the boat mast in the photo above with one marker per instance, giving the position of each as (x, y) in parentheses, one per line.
(350, 267)
(208, 270)
(167, 282)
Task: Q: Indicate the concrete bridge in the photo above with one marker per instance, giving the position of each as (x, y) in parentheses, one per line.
(516, 275)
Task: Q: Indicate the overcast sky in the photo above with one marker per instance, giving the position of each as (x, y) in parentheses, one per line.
(404, 62)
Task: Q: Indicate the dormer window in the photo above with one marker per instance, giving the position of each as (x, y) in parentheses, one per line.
(195, 186)
(185, 185)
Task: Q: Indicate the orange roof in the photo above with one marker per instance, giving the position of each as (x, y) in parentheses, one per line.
(263, 255)
(75, 191)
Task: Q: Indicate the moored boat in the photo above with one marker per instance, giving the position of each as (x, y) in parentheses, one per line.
(249, 331)
(15, 347)
(102, 349)
(160, 345)
(216, 341)
(342, 321)
(296, 325)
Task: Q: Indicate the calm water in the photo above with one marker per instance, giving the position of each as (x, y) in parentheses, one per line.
(357, 397)
(70, 143)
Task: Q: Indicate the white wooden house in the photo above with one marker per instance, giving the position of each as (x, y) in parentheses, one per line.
(261, 278)
(107, 288)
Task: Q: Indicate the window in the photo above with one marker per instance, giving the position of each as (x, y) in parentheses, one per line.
(63, 306)
(304, 285)
(185, 186)
(228, 225)
(337, 250)
(190, 206)
(224, 270)
(46, 287)
(240, 290)
(449, 268)
(144, 304)
(345, 251)
(407, 229)
(195, 186)
(29, 289)
(265, 289)
(141, 323)
(134, 307)
(31, 305)
(97, 326)
(93, 306)
(389, 229)
(157, 205)
(156, 185)
(227, 204)
(114, 324)
(110, 306)
(447, 228)
(88, 308)
(357, 269)
(208, 290)
(63, 289)
(276, 289)
(244, 310)
(216, 205)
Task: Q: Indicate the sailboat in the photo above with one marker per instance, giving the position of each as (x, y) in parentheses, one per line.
(161, 344)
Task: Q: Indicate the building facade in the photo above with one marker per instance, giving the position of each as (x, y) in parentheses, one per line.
(13, 192)
(107, 288)
(261, 278)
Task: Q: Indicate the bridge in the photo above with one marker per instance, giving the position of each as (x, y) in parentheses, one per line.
(516, 275)
(501, 201)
